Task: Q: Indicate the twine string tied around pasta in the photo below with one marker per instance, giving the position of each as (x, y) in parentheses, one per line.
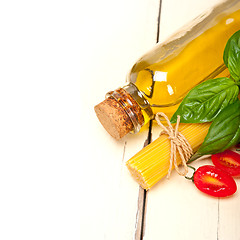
(178, 143)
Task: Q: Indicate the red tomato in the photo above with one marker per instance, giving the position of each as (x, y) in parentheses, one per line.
(214, 181)
(228, 161)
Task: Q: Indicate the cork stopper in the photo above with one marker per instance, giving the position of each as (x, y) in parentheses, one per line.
(119, 114)
(114, 118)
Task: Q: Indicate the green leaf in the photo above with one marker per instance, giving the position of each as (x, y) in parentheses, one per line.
(205, 101)
(231, 56)
(234, 38)
(234, 61)
(223, 133)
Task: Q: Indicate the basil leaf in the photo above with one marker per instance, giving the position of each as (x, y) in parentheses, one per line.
(231, 56)
(205, 101)
(234, 61)
(234, 38)
(223, 133)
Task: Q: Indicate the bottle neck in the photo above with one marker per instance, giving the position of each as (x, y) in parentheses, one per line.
(134, 104)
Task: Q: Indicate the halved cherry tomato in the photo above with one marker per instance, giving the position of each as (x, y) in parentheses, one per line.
(214, 181)
(228, 161)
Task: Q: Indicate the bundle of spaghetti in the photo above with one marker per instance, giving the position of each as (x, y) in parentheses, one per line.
(152, 163)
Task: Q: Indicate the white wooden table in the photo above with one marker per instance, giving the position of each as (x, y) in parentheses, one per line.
(61, 175)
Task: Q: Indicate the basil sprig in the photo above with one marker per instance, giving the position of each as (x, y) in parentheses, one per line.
(204, 102)
(216, 101)
(223, 133)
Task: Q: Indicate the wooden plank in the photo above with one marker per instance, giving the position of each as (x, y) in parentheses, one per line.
(176, 209)
(229, 217)
(126, 32)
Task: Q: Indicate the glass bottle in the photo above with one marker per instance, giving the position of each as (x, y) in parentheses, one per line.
(160, 79)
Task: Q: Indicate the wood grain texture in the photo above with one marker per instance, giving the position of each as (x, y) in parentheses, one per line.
(61, 175)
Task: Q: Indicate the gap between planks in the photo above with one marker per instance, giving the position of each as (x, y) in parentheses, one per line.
(142, 199)
(142, 195)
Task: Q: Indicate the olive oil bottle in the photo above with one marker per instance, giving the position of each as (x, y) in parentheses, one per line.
(160, 79)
